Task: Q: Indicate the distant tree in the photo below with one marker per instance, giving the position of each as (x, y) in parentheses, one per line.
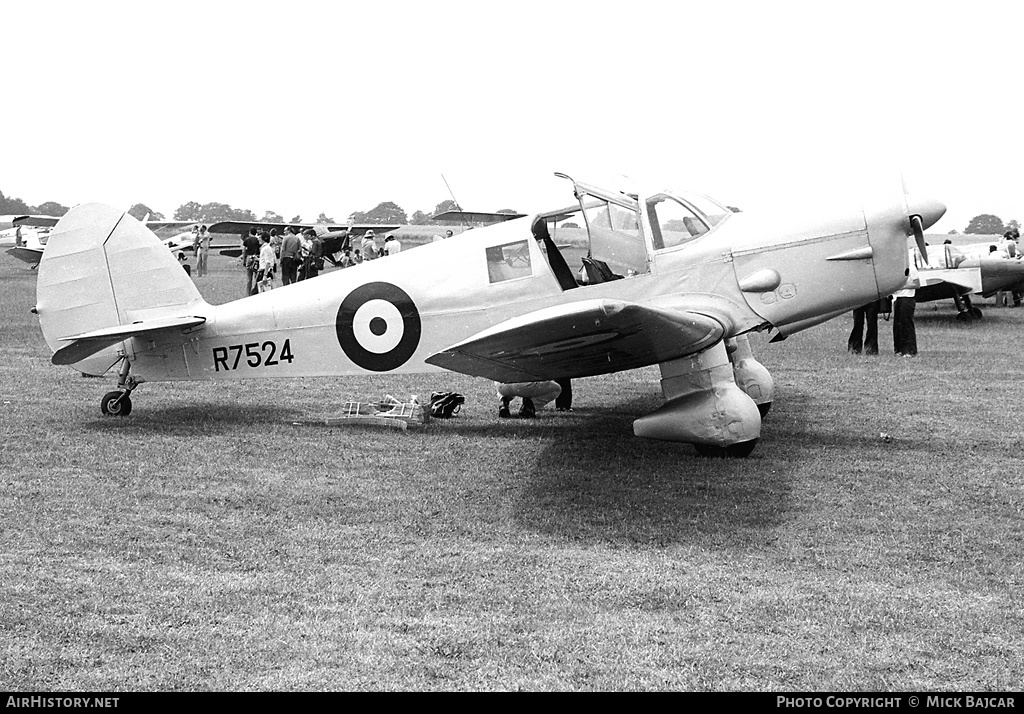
(419, 218)
(386, 212)
(985, 224)
(212, 212)
(52, 208)
(734, 209)
(188, 212)
(323, 218)
(141, 210)
(296, 219)
(447, 205)
(953, 232)
(271, 217)
(14, 205)
(507, 210)
(1013, 225)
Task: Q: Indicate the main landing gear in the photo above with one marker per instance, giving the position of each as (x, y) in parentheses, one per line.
(119, 402)
(714, 400)
(965, 311)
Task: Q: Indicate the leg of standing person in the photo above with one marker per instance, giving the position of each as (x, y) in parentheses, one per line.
(563, 402)
(909, 330)
(871, 333)
(856, 341)
(250, 273)
(897, 325)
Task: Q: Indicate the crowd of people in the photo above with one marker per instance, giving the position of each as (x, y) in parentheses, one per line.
(299, 255)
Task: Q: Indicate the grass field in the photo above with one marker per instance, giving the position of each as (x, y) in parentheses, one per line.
(205, 543)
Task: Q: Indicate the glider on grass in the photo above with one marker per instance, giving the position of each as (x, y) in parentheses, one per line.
(612, 282)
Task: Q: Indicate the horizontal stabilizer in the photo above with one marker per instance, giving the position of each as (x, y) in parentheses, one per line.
(89, 343)
(580, 339)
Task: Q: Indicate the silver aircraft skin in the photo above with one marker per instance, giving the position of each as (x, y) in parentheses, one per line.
(611, 282)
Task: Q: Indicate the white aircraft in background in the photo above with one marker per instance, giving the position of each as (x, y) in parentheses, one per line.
(26, 236)
(674, 279)
(957, 272)
(35, 231)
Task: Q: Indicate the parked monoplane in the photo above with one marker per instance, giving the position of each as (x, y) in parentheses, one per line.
(334, 237)
(613, 282)
(958, 272)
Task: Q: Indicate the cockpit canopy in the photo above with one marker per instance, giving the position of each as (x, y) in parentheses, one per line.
(605, 237)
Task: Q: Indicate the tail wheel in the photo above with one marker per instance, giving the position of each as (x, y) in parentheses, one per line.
(116, 403)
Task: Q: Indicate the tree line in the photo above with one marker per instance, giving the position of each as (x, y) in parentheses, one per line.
(384, 212)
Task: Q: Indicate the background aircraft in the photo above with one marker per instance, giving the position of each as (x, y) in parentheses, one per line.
(957, 272)
(666, 278)
(35, 232)
(335, 238)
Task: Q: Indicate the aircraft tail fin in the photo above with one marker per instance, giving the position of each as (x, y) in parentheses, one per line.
(102, 270)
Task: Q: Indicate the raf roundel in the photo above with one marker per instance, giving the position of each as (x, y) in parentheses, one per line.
(378, 326)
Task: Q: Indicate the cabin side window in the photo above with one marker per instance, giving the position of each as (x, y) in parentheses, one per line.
(508, 261)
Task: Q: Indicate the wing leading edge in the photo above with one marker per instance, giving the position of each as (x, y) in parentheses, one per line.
(580, 339)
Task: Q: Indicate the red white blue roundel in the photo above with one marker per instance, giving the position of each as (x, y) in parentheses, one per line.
(378, 326)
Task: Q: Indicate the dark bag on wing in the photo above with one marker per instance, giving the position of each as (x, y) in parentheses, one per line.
(444, 405)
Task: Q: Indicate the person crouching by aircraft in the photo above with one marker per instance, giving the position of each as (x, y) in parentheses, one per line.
(291, 248)
(265, 278)
(533, 394)
(251, 260)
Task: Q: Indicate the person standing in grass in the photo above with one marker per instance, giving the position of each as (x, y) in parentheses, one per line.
(202, 250)
(904, 334)
(268, 261)
(369, 246)
(291, 248)
(864, 316)
(251, 260)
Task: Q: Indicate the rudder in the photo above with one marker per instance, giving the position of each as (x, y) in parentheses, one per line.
(102, 268)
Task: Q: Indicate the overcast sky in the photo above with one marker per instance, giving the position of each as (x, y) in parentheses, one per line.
(303, 107)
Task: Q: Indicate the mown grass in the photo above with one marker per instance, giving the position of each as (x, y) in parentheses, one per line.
(205, 543)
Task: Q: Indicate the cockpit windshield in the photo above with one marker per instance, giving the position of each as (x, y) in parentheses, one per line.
(679, 218)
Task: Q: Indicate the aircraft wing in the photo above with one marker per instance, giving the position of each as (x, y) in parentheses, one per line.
(36, 221)
(32, 256)
(157, 225)
(475, 216)
(89, 343)
(965, 277)
(580, 339)
(242, 227)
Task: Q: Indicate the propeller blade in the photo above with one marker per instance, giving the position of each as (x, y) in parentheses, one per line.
(918, 228)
